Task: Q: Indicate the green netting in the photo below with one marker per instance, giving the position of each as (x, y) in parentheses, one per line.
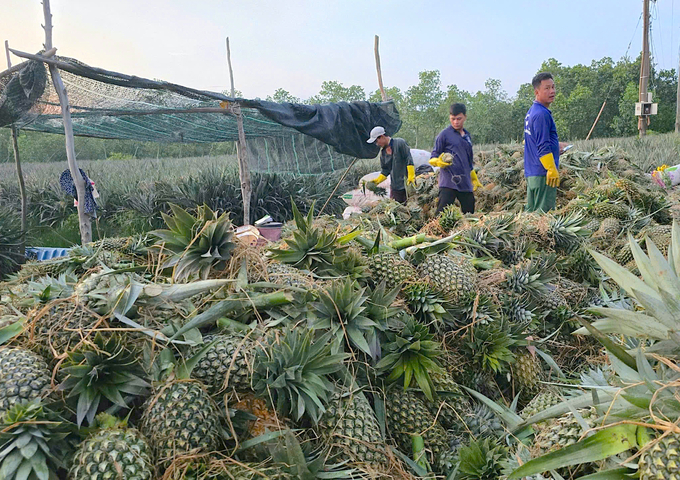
(111, 105)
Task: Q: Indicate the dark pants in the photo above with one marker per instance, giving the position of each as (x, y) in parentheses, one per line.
(447, 196)
(398, 196)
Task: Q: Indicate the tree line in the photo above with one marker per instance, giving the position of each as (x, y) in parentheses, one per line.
(494, 116)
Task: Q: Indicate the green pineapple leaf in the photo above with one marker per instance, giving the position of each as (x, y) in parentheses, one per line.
(599, 446)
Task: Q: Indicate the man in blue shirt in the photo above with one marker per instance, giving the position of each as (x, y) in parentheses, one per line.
(541, 147)
(453, 154)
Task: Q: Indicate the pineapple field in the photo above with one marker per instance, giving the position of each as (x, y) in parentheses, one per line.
(395, 343)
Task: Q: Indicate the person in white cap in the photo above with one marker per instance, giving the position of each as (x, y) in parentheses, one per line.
(395, 161)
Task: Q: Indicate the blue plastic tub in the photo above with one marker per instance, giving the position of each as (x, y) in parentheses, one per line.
(46, 253)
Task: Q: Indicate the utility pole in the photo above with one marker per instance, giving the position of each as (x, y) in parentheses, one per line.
(644, 68)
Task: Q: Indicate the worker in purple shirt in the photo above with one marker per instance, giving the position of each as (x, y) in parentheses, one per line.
(453, 154)
(542, 147)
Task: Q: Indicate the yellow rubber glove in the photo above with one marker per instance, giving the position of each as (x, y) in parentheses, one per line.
(379, 179)
(442, 161)
(411, 174)
(552, 179)
(475, 181)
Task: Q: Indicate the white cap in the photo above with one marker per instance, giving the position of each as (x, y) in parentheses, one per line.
(375, 133)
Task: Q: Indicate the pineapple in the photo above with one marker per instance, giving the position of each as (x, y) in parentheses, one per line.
(482, 422)
(180, 418)
(567, 233)
(449, 216)
(474, 308)
(33, 443)
(517, 311)
(113, 451)
(593, 225)
(412, 354)
(62, 327)
(407, 415)
(540, 402)
(310, 248)
(119, 244)
(226, 364)
(631, 190)
(610, 210)
(105, 370)
(391, 269)
(342, 309)
(660, 460)
(450, 401)
(454, 276)
(427, 304)
(293, 371)
(527, 372)
(350, 427)
(564, 431)
(283, 274)
(529, 277)
(24, 377)
(196, 245)
(480, 459)
(609, 228)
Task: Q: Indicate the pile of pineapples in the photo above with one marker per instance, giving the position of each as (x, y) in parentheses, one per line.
(360, 348)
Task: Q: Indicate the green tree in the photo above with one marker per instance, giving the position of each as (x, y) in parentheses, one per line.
(333, 91)
(424, 112)
(281, 95)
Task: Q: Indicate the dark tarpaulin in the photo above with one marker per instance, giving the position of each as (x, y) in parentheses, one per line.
(345, 126)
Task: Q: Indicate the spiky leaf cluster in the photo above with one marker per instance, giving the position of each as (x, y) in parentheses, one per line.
(480, 460)
(32, 443)
(412, 354)
(490, 346)
(474, 308)
(10, 241)
(197, 245)
(567, 233)
(293, 370)
(428, 304)
(104, 370)
(311, 248)
(341, 309)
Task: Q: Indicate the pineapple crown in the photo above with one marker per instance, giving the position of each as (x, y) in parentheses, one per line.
(341, 309)
(32, 442)
(310, 248)
(103, 370)
(412, 354)
(198, 244)
(294, 371)
(379, 305)
(480, 460)
(489, 345)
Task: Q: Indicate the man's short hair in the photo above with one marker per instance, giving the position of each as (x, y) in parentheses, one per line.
(536, 82)
(457, 109)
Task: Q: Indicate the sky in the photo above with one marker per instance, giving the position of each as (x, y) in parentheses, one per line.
(298, 44)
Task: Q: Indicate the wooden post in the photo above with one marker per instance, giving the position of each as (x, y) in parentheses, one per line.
(644, 67)
(20, 174)
(241, 148)
(84, 218)
(377, 67)
(596, 120)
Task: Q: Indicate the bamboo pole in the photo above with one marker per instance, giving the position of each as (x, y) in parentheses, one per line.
(83, 218)
(377, 67)
(241, 148)
(20, 174)
(596, 120)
